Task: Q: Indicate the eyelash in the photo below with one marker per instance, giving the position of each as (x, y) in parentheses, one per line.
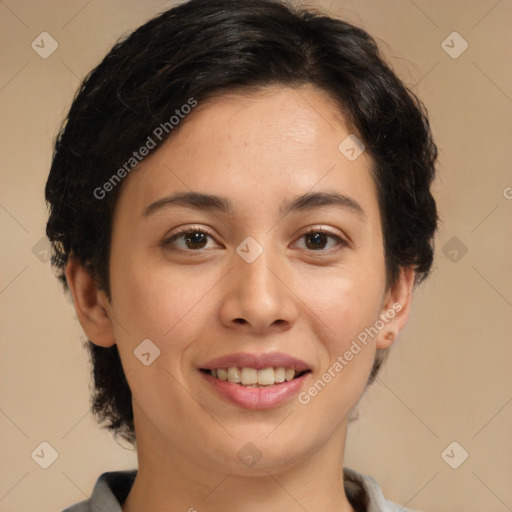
(167, 243)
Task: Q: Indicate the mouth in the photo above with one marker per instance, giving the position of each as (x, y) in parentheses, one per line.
(256, 381)
(255, 378)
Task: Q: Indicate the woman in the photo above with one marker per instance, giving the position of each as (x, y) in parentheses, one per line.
(240, 206)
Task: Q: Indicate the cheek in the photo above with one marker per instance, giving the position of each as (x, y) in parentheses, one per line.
(346, 309)
(164, 305)
(348, 306)
(170, 309)
(344, 302)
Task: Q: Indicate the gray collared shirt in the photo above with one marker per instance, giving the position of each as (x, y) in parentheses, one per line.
(112, 489)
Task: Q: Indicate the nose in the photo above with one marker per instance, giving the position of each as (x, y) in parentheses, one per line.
(259, 298)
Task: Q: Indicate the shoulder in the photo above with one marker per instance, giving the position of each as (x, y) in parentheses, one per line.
(110, 491)
(112, 488)
(367, 490)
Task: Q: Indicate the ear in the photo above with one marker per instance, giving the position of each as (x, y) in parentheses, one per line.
(91, 304)
(396, 308)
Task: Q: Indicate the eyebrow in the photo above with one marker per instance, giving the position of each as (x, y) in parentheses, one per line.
(209, 202)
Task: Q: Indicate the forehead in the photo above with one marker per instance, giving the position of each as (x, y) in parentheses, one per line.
(255, 149)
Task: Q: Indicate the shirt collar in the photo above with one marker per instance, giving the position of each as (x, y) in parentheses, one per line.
(112, 488)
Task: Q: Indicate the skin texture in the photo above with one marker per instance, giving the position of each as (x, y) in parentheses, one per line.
(257, 150)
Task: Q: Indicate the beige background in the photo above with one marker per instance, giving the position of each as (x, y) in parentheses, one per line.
(449, 376)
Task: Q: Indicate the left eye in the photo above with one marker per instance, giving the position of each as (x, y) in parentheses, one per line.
(317, 239)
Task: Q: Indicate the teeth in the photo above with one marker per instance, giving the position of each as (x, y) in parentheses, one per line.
(249, 376)
(266, 377)
(279, 374)
(253, 377)
(234, 375)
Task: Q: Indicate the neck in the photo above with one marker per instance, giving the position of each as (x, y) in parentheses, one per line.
(169, 480)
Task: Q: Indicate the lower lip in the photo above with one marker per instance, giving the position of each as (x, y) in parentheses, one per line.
(257, 398)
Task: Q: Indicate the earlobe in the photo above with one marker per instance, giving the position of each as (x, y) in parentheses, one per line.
(90, 304)
(396, 309)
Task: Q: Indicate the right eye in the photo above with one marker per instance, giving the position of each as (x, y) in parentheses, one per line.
(194, 239)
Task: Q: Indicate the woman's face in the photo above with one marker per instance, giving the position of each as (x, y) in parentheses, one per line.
(247, 287)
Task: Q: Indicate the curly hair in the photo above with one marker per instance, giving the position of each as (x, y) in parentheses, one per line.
(202, 49)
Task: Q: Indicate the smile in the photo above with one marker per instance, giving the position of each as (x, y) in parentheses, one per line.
(252, 377)
(255, 381)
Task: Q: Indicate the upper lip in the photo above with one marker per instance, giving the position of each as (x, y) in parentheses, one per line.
(257, 361)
